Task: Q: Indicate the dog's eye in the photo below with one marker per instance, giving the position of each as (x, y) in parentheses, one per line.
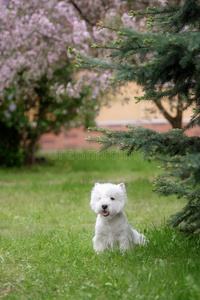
(112, 198)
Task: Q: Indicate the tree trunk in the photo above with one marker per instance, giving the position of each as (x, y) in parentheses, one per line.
(176, 121)
(30, 152)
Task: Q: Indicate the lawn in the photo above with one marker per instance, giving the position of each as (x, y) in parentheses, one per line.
(47, 226)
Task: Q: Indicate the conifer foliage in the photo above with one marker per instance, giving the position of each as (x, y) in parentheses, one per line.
(166, 63)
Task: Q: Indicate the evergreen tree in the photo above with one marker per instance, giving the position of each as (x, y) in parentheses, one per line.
(166, 63)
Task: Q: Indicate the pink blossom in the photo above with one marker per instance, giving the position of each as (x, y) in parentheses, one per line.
(12, 107)
(35, 36)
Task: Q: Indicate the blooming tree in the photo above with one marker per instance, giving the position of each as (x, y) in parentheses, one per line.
(38, 89)
(38, 92)
(36, 34)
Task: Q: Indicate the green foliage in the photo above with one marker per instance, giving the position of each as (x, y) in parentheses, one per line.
(148, 141)
(11, 152)
(183, 179)
(13, 120)
(166, 63)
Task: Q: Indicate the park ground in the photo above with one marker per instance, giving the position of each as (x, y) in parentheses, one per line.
(47, 227)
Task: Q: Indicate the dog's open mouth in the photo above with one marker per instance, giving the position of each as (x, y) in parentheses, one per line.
(105, 213)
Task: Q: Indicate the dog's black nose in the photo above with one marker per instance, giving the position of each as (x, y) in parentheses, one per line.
(104, 207)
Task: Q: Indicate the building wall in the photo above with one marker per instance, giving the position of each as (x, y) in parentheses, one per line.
(118, 112)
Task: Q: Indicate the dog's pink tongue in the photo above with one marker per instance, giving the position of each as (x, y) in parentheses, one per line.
(105, 213)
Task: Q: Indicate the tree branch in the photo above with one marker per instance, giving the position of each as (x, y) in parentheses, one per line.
(164, 112)
(81, 13)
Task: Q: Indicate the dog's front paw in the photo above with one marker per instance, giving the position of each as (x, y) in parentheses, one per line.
(143, 240)
(99, 244)
(99, 249)
(124, 243)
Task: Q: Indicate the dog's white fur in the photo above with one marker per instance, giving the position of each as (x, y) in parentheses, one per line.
(112, 227)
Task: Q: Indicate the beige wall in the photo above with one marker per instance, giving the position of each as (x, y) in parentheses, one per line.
(119, 113)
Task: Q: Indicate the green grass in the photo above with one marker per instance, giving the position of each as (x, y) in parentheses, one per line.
(47, 226)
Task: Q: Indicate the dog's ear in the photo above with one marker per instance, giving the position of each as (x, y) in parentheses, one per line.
(122, 185)
(97, 183)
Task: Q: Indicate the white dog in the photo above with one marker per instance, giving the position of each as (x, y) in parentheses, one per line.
(112, 227)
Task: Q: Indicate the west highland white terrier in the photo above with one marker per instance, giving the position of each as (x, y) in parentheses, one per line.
(112, 227)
